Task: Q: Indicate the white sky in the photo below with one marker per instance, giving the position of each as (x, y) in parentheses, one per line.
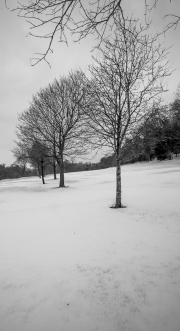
(19, 80)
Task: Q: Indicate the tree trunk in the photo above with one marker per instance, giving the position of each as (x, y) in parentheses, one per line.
(24, 168)
(42, 172)
(39, 171)
(54, 159)
(118, 181)
(61, 170)
(148, 157)
(54, 169)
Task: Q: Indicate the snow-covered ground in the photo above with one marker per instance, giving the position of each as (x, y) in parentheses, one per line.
(68, 262)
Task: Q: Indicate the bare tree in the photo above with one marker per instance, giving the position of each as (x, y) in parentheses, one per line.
(55, 116)
(127, 79)
(30, 147)
(21, 158)
(38, 154)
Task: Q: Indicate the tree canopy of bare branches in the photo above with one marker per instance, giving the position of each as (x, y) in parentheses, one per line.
(21, 158)
(77, 18)
(127, 79)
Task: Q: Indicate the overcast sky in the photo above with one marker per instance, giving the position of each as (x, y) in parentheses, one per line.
(19, 80)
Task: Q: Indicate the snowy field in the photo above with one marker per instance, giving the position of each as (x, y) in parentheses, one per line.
(68, 262)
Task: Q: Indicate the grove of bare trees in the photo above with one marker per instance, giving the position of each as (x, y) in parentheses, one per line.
(77, 113)
(52, 127)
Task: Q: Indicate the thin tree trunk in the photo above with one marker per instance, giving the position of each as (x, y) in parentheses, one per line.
(61, 170)
(118, 182)
(148, 157)
(54, 169)
(24, 168)
(54, 160)
(42, 172)
(39, 172)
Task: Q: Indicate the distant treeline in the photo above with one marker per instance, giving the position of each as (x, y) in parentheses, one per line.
(15, 171)
(133, 152)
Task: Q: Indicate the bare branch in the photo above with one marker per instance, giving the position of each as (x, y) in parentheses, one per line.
(63, 16)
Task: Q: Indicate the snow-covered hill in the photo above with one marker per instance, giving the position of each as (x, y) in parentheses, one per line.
(68, 262)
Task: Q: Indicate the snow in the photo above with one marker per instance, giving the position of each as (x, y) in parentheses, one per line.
(69, 262)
